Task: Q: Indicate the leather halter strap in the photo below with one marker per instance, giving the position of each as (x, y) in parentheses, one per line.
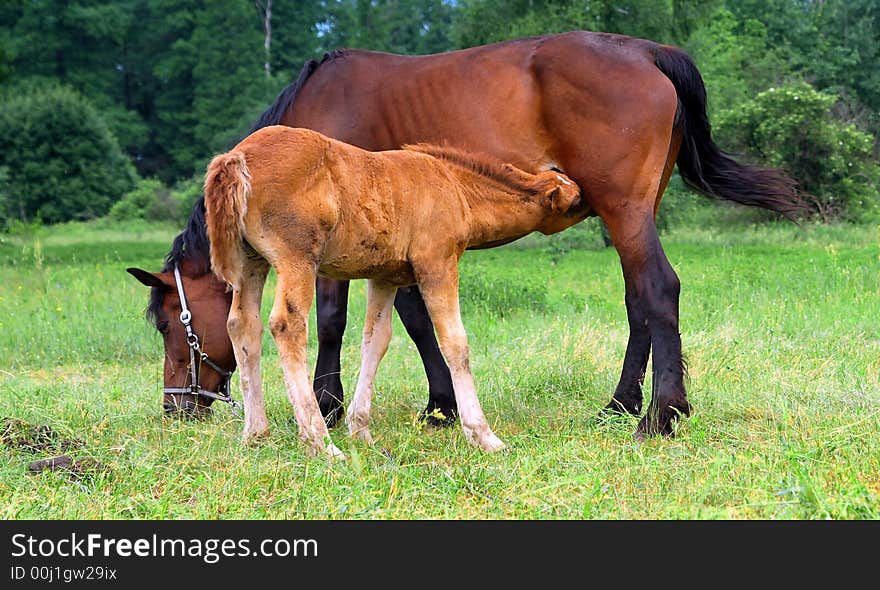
(192, 340)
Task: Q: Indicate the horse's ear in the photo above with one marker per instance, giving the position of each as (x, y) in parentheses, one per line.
(147, 278)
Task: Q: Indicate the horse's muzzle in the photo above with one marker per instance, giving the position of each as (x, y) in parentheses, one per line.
(185, 408)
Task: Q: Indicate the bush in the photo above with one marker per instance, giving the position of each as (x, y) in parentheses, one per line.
(62, 162)
(792, 127)
(185, 195)
(149, 200)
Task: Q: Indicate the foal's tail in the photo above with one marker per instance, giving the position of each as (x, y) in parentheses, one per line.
(706, 168)
(227, 188)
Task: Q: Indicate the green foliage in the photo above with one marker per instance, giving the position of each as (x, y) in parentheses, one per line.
(735, 58)
(402, 26)
(185, 194)
(485, 292)
(792, 127)
(149, 200)
(61, 160)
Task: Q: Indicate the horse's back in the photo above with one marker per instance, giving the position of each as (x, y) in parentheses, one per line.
(522, 101)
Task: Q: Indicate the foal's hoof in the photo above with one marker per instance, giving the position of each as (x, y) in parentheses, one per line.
(254, 437)
(491, 443)
(333, 453)
(361, 433)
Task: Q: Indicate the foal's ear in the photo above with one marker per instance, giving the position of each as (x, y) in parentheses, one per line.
(147, 278)
(564, 196)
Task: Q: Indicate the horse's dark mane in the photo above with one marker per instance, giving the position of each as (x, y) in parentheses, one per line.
(274, 114)
(192, 243)
(481, 164)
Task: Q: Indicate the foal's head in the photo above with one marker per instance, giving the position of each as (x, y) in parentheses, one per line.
(558, 195)
(208, 301)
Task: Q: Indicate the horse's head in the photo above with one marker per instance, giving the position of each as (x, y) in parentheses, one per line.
(201, 357)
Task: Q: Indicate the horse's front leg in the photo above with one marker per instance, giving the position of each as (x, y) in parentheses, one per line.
(245, 327)
(439, 286)
(289, 325)
(332, 308)
(377, 335)
(441, 409)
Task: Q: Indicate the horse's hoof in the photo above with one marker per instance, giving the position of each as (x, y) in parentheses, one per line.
(330, 405)
(618, 407)
(332, 414)
(438, 417)
(662, 422)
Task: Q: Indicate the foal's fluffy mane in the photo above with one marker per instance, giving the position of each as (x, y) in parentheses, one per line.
(483, 165)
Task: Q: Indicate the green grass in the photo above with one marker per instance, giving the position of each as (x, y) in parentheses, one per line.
(781, 328)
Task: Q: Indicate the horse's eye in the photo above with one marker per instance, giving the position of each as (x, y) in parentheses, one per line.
(162, 326)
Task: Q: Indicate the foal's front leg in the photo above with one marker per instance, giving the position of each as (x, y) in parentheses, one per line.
(245, 327)
(377, 335)
(289, 325)
(439, 287)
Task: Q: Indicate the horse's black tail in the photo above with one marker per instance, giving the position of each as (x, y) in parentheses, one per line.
(702, 165)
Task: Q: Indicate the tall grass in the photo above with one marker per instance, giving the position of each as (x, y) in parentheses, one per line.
(781, 327)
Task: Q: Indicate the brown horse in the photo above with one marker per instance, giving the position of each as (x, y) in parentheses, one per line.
(615, 113)
(309, 205)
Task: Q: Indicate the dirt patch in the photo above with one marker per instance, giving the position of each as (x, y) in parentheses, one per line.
(78, 468)
(18, 434)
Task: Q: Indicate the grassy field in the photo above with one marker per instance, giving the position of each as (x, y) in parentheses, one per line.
(781, 328)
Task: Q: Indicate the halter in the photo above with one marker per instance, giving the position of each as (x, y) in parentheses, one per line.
(222, 393)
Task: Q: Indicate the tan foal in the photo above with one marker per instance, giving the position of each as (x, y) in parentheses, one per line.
(309, 205)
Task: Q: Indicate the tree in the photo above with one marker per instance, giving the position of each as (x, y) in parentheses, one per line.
(61, 160)
(792, 127)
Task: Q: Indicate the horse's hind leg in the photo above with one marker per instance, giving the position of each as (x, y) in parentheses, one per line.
(441, 409)
(289, 325)
(628, 394)
(332, 309)
(439, 287)
(377, 335)
(652, 293)
(245, 327)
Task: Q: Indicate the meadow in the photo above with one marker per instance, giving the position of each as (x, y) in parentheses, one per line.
(780, 326)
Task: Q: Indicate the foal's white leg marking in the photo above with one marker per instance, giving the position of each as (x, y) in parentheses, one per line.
(441, 299)
(377, 335)
(245, 329)
(289, 324)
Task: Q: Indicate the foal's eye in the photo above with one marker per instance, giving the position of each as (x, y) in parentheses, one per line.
(162, 327)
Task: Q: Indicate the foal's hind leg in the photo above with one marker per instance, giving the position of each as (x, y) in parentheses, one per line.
(439, 287)
(245, 327)
(377, 335)
(289, 324)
